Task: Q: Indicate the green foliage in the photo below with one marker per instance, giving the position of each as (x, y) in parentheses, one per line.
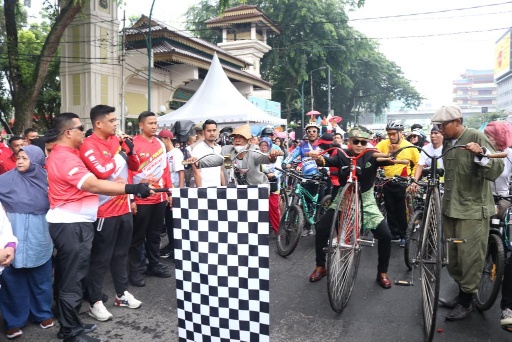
(477, 120)
(316, 34)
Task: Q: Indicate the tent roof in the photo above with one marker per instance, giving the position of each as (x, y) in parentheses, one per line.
(219, 100)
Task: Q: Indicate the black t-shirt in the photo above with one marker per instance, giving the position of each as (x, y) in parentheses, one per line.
(367, 167)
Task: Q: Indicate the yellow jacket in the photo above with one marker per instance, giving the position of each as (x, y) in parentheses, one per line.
(411, 154)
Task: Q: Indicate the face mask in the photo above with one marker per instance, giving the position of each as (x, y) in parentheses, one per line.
(239, 149)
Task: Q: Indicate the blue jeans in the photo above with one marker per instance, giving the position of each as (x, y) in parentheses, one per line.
(26, 294)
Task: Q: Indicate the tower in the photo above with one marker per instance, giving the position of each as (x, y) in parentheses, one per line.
(244, 34)
(90, 70)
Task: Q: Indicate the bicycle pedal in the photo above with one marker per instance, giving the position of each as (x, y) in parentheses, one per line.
(404, 283)
(365, 241)
(456, 240)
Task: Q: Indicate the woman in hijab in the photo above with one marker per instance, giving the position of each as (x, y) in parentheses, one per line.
(27, 286)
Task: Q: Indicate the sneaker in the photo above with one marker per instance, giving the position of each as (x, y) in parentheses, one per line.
(127, 300)
(305, 232)
(87, 329)
(165, 253)
(402, 242)
(47, 323)
(13, 333)
(395, 238)
(506, 317)
(100, 312)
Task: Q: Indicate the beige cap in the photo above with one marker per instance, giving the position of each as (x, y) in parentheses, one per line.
(199, 126)
(446, 113)
(244, 131)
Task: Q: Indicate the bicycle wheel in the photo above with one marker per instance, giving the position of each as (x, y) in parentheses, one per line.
(290, 228)
(413, 236)
(283, 201)
(343, 249)
(324, 204)
(492, 276)
(430, 262)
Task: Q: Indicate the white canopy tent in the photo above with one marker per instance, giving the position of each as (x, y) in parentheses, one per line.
(219, 100)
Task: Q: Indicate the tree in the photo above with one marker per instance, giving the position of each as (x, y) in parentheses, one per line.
(316, 34)
(26, 89)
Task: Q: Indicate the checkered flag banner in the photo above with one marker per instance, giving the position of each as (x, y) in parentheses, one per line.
(222, 263)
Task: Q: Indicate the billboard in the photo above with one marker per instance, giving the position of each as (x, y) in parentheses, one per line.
(502, 56)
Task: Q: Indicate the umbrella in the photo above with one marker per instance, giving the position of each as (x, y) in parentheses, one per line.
(313, 112)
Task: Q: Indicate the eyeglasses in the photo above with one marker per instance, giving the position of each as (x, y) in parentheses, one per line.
(81, 128)
(444, 124)
(361, 142)
(311, 131)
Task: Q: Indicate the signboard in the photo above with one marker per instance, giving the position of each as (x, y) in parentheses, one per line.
(273, 108)
(502, 56)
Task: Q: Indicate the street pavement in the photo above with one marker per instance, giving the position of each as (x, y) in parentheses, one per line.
(300, 310)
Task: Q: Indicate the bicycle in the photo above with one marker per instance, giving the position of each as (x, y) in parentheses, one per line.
(346, 237)
(414, 227)
(495, 258)
(299, 210)
(432, 255)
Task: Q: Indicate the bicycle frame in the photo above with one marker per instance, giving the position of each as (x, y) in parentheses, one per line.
(300, 195)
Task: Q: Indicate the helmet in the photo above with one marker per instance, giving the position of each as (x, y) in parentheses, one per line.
(379, 135)
(267, 131)
(312, 124)
(394, 126)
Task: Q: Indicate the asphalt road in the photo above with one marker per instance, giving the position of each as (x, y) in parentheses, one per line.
(300, 310)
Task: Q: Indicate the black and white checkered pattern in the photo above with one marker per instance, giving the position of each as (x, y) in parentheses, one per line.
(222, 263)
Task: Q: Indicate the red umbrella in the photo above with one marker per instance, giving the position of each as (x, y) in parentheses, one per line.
(313, 112)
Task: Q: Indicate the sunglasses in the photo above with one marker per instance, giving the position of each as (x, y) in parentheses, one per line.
(81, 128)
(359, 142)
(311, 131)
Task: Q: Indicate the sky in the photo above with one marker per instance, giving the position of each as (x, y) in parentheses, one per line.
(432, 49)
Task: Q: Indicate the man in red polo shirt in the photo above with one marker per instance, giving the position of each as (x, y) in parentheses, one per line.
(73, 209)
(15, 144)
(149, 213)
(108, 157)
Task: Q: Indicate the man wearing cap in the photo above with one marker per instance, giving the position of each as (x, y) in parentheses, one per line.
(467, 204)
(435, 148)
(394, 192)
(372, 218)
(177, 170)
(309, 167)
(247, 164)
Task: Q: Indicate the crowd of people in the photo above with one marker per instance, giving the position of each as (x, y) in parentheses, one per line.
(93, 207)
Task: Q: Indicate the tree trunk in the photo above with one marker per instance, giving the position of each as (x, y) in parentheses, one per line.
(25, 95)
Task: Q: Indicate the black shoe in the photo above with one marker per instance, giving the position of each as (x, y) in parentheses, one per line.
(87, 329)
(137, 279)
(159, 272)
(448, 303)
(459, 313)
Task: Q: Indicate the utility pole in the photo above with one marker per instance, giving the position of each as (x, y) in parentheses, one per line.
(123, 53)
(150, 56)
(329, 91)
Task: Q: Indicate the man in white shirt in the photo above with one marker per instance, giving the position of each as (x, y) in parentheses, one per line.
(211, 176)
(435, 148)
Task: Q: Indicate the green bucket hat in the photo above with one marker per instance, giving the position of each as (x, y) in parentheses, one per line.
(359, 132)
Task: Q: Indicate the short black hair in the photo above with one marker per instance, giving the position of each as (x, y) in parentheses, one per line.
(29, 130)
(209, 122)
(100, 111)
(51, 136)
(144, 115)
(64, 121)
(341, 136)
(14, 138)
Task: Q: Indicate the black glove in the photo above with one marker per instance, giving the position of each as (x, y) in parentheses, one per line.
(141, 190)
(128, 146)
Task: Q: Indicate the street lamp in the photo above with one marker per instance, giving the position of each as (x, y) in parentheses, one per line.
(150, 54)
(130, 126)
(302, 89)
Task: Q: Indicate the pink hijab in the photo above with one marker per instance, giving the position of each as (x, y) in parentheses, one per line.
(501, 131)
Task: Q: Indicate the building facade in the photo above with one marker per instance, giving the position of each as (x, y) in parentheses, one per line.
(475, 89)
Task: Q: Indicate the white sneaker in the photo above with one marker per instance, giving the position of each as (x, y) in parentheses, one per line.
(506, 317)
(100, 312)
(305, 232)
(128, 300)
